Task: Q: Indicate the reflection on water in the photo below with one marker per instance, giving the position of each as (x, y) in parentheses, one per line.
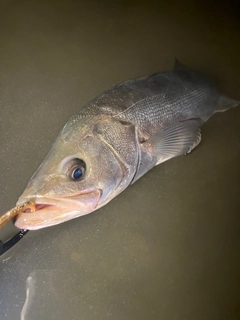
(42, 295)
(30, 290)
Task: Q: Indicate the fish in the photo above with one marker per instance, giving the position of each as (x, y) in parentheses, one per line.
(117, 138)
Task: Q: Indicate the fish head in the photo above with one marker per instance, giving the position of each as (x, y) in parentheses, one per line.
(87, 166)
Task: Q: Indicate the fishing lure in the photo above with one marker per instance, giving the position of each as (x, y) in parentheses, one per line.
(25, 207)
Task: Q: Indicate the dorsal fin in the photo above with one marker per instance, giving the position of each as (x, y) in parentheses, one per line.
(178, 66)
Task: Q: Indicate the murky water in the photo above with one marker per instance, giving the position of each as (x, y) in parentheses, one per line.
(169, 246)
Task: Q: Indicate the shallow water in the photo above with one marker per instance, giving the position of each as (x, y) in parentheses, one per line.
(169, 246)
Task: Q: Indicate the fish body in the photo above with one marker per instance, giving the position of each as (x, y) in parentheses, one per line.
(115, 139)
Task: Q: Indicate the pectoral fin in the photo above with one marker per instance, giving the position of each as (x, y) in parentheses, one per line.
(175, 140)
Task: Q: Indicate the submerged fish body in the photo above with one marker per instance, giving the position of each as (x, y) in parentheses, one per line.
(115, 139)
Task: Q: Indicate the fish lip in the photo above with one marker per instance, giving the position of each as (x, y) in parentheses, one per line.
(38, 199)
(54, 210)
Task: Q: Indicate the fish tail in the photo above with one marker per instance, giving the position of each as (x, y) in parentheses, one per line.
(224, 103)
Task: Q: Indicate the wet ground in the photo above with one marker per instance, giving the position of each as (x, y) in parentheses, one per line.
(169, 246)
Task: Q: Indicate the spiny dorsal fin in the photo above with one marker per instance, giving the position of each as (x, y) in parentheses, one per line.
(178, 66)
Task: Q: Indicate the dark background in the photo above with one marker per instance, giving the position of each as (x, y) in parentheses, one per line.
(169, 246)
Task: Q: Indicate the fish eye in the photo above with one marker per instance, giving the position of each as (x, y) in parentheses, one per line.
(77, 170)
(77, 173)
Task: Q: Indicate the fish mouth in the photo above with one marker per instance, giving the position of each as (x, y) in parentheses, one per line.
(52, 211)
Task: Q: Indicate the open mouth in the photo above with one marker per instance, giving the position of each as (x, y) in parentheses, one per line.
(52, 211)
(42, 206)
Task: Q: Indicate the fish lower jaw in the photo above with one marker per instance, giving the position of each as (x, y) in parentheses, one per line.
(43, 220)
(52, 211)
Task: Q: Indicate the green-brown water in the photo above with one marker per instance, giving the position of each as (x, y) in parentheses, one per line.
(167, 248)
